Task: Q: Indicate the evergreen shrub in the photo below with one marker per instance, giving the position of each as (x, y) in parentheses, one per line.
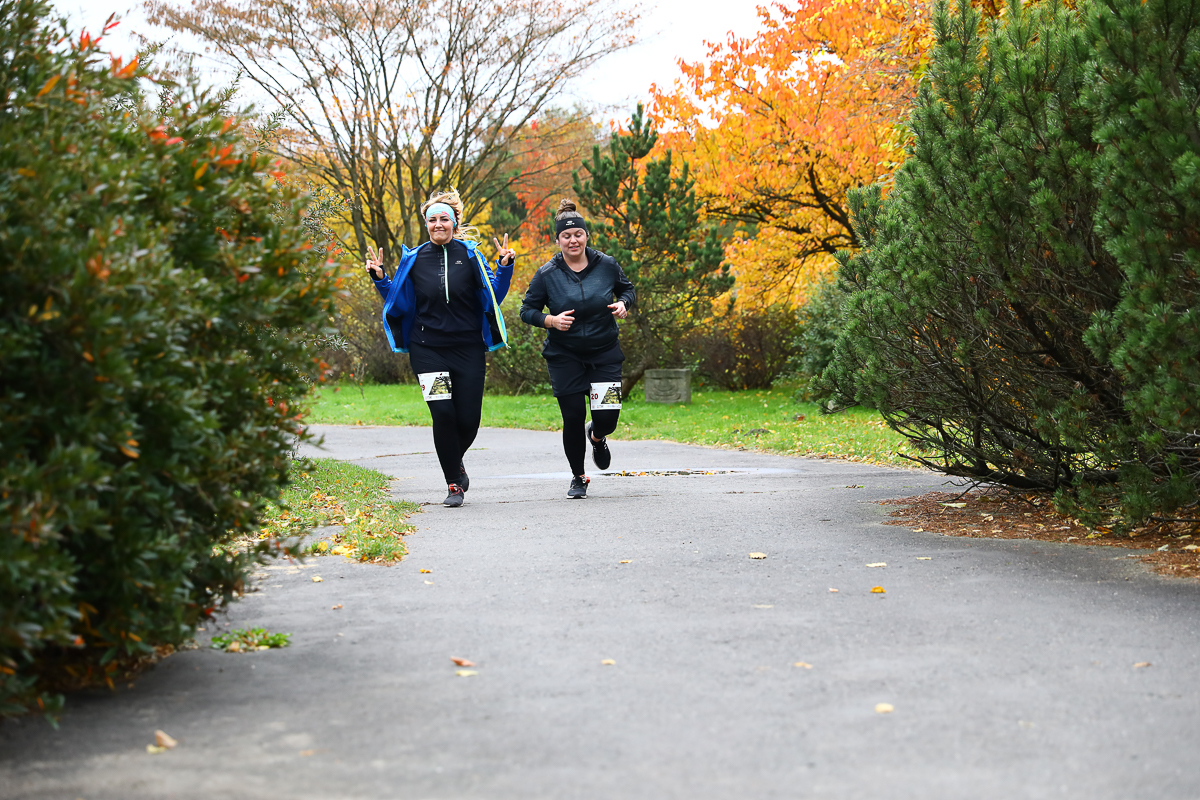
(1025, 305)
(818, 323)
(157, 299)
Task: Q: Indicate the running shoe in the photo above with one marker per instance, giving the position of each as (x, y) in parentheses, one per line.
(455, 498)
(463, 480)
(601, 457)
(579, 486)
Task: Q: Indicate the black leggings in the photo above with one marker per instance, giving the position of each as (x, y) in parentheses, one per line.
(574, 409)
(455, 421)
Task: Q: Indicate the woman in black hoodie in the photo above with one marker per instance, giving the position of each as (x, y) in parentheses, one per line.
(586, 291)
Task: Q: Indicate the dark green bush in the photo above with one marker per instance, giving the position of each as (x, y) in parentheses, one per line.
(746, 350)
(157, 291)
(1025, 305)
(818, 323)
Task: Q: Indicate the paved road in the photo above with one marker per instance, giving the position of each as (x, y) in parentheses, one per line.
(1009, 664)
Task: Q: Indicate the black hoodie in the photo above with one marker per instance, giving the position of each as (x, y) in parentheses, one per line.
(589, 292)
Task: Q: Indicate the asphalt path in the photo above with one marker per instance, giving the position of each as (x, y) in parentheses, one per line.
(1009, 665)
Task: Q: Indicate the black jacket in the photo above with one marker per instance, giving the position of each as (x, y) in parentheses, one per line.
(557, 287)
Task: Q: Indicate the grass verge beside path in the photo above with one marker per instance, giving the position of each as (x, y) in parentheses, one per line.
(767, 421)
(329, 492)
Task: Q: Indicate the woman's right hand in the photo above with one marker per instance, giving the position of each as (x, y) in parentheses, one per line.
(375, 263)
(560, 322)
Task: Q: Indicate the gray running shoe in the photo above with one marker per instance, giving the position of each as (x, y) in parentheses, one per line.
(579, 486)
(455, 498)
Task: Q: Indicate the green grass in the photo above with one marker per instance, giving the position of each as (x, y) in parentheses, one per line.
(245, 641)
(329, 492)
(714, 418)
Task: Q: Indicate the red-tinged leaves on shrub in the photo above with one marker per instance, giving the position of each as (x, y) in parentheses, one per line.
(126, 71)
(48, 85)
(160, 303)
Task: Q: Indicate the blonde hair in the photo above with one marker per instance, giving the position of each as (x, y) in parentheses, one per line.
(450, 197)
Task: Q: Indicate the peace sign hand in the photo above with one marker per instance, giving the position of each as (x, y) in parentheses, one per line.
(375, 263)
(504, 253)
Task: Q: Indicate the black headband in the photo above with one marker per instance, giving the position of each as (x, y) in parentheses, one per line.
(567, 223)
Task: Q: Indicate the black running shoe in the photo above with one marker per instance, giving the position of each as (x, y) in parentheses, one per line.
(601, 457)
(579, 486)
(463, 480)
(455, 498)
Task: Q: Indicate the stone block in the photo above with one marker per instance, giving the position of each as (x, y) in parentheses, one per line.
(668, 385)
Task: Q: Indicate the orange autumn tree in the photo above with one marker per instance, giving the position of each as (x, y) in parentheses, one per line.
(779, 126)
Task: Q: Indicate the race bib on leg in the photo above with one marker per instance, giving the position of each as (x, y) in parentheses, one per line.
(435, 385)
(606, 396)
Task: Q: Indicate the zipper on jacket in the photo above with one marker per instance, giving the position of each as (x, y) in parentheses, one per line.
(446, 271)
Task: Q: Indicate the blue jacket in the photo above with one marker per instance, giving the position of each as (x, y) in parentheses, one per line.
(400, 301)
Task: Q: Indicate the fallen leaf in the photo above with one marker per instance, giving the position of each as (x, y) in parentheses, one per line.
(1141, 664)
(307, 752)
(878, 564)
(426, 570)
(626, 561)
(429, 582)
(317, 579)
(163, 740)
(758, 555)
(954, 505)
(918, 530)
(833, 590)
(234, 647)
(878, 590)
(1191, 547)
(465, 673)
(764, 606)
(884, 708)
(155, 749)
(335, 608)
(462, 662)
(803, 664)
(924, 558)
(608, 662)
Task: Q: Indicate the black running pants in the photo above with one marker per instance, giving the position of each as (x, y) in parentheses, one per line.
(455, 421)
(574, 409)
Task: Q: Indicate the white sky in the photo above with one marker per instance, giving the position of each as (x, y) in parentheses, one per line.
(670, 29)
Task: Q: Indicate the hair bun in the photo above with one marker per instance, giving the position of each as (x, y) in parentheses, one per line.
(565, 205)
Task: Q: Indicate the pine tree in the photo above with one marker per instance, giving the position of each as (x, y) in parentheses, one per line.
(1025, 305)
(1146, 87)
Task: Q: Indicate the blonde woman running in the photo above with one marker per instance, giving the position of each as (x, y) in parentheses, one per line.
(442, 307)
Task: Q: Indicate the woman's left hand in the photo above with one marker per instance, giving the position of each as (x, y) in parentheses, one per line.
(504, 253)
(619, 310)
